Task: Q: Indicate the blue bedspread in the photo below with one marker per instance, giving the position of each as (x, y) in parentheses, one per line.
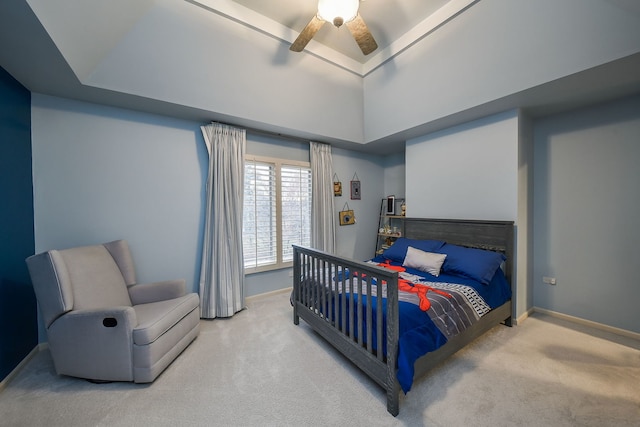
(419, 335)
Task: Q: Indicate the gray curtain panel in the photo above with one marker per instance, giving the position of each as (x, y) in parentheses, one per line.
(323, 224)
(222, 269)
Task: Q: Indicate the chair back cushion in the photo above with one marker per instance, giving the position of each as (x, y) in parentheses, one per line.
(95, 279)
(51, 284)
(119, 250)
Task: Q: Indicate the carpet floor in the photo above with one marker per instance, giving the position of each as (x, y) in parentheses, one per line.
(258, 369)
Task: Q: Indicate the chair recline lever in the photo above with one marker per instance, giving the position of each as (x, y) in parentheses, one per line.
(109, 322)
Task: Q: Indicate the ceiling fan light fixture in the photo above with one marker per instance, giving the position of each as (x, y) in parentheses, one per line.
(338, 11)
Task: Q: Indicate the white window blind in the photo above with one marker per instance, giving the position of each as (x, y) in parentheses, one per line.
(296, 209)
(259, 226)
(277, 212)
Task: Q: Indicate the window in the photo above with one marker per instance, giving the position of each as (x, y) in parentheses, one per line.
(277, 212)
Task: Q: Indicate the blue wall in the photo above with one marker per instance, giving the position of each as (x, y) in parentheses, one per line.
(18, 313)
(586, 210)
(103, 173)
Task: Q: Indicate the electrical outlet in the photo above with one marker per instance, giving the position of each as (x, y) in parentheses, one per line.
(549, 280)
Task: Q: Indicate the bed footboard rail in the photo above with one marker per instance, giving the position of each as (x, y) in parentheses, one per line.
(344, 301)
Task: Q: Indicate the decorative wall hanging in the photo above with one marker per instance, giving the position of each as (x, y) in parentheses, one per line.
(346, 215)
(337, 186)
(355, 187)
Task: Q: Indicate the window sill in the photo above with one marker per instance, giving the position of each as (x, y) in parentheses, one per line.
(266, 268)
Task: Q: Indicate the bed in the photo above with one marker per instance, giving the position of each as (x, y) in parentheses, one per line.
(338, 298)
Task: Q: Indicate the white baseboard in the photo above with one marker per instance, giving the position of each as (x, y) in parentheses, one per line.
(277, 291)
(589, 323)
(524, 316)
(17, 369)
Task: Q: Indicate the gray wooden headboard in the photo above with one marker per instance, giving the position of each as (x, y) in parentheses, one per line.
(491, 235)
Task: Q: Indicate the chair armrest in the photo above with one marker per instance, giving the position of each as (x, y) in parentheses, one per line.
(94, 343)
(144, 293)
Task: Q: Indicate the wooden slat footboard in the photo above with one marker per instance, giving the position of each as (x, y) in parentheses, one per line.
(323, 290)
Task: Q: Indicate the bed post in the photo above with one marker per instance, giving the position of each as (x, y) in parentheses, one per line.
(393, 389)
(296, 283)
(509, 321)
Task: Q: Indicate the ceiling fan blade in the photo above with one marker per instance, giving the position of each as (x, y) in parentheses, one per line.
(307, 34)
(361, 33)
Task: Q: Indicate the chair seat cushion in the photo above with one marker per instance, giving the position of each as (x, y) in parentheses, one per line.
(155, 318)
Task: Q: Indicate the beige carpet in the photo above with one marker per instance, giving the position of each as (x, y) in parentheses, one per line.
(257, 368)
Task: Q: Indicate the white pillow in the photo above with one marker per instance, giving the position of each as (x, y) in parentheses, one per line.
(428, 262)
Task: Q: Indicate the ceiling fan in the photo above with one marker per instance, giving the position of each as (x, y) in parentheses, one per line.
(337, 12)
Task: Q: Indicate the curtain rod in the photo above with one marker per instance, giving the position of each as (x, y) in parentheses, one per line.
(269, 133)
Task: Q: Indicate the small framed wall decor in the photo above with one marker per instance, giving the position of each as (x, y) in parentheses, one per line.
(337, 186)
(347, 216)
(355, 187)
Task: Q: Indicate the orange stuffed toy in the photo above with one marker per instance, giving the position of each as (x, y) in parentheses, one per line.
(414, 288)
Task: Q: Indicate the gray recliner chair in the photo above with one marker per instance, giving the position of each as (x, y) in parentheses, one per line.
(102, 325)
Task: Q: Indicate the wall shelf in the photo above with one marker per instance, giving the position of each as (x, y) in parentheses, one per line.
(390, 227)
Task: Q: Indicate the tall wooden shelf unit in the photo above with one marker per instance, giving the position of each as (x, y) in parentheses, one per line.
(390, 226)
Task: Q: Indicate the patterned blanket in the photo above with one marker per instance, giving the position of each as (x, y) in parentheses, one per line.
(452, 307)
(452, 310)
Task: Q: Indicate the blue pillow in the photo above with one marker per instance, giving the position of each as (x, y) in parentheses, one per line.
(476, 264)
(398, 251)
